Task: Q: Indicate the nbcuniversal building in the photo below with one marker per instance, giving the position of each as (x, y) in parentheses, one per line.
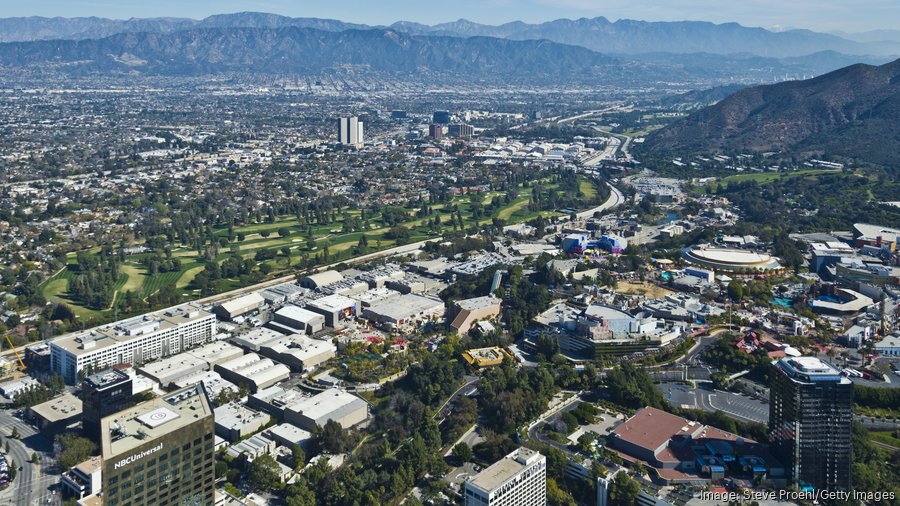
(160, 452)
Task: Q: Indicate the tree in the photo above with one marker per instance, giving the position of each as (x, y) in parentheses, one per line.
(735, 290)
(298, 456)
(331, 437)
(284, 232)
(15, 433)
(34, 458)
(556, 496)
(75, 449)
(623, 491)
(462, 452)
(265, 473)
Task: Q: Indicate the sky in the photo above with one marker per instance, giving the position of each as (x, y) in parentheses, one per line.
(819, 15)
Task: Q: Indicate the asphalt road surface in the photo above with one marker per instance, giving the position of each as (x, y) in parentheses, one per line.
(33, 482)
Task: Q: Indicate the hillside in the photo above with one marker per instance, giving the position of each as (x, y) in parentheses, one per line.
(852, 112)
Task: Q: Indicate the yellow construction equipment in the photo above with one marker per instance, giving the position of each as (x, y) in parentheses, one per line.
(21, 367)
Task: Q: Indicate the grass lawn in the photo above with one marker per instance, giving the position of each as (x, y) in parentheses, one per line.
(765, 177)
(887, 437)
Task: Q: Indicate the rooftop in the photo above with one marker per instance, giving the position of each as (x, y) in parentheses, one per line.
(504, 469)
(326, 404)
(97, 338)
(126, 430)
(62, 407)
(105, 379)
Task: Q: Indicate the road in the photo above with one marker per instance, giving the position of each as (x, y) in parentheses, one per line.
(615, 199)
(470, 380)
(535, 429)
(33, 481)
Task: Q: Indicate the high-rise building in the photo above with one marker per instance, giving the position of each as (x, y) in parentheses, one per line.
(810, 422)
(103, 394)
(350, 131)
(519, 479)
(436, 132)
(160, 451)
(441, 117)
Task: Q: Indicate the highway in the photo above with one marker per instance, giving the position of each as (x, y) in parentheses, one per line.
(616, 198)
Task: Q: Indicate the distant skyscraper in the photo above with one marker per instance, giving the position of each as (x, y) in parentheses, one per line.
(519, 479)
(103, 394)
(350, 131)
(160, 452)
(436, 132)
(441, 117)
(810, 422)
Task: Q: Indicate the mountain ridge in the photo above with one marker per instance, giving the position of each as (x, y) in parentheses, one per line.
(852, 112)
(622, 36)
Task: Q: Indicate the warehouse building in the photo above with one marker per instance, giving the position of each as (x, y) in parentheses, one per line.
(302, 320)
(466, 312)
(134, 341)
(405, 313)
(235, 421)
(374, 296)
(335, 308)
(212, 381)
(283, 293)
(252, 340)
(240, 306)
(253, 371)
(274, 399)
(298, 352)
(215, 353)
(321, 279)
(333, 404)
(253, 447)
(289, 435)
(171, 369)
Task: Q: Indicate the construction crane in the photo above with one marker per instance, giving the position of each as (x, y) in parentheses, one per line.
(21, 367)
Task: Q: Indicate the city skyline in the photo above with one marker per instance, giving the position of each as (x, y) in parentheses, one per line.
(829, 16)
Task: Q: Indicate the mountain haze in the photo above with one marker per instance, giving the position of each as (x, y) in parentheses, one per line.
(300, 50)
(599, 34)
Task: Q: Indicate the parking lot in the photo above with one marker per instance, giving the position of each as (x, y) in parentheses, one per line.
(739, 406)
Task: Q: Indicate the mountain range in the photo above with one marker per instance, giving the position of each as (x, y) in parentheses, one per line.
(303, 50)
(852, 112)
(599, 34)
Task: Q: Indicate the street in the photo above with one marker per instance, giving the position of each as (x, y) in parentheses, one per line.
(33, 481)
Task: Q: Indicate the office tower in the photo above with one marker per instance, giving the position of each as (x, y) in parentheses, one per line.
(103, 394)
(810, 422)
(160, 451)
(350, 131)
(519, 479)
(135, 341)
(397, 114)
(441, 117)
(436, 132)
(460, 130)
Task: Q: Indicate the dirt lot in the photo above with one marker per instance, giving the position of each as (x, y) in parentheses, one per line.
(647, 289)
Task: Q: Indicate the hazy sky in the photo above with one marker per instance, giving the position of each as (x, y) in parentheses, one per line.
(820, 15)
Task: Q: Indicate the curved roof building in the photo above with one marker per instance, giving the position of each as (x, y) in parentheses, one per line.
(728, 259)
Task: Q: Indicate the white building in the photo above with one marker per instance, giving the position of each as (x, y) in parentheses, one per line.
(333, 404)
(302, 320)
(406, 312)
(239, 306)
(134, 341)
(519, 479)
(350, 131)
(298, 351)
(253, 371)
